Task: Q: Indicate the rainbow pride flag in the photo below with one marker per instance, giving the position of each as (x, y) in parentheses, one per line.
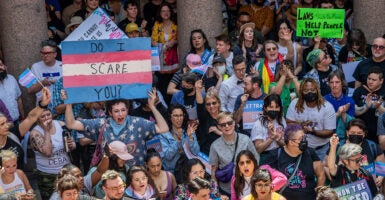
(101, 70)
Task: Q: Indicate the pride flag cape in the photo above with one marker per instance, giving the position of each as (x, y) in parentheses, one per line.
(266, 74)
(27, 78)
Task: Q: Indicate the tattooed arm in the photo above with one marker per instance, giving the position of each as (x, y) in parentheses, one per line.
(41, 143)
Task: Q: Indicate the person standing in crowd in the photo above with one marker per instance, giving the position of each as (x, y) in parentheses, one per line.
(297, 160)
(267, 132)
(88, 7)
(316, 116)
(150, 10)
(131, 7)
(248, 47)
(252, 92)
(233, 86)
(199, 44)
(350, 159)
(10, 95)
(243, 18)
(369, 99)
(140, 184)
(225, 149)
(356, 131)
(199, 189)
(215, 73)
(113, 186)
(287, 84)
(133, 131)
(223, 48)
(268, 67)
(320, 61)
(48, 71)
(356, 48)
(377, 59)
(262, 188)
(70, 10)
(289, 49)
(181, 132)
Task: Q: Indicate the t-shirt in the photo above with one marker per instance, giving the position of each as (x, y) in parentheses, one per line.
(16, 148)
(261, 132)
(343, 100)
(359, 97)
(9, 94)
(362, 71)
(322, 119)
(323, 80)
(285, 94)
(301, 186)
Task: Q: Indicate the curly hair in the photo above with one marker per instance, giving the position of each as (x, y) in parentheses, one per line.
(300, 104)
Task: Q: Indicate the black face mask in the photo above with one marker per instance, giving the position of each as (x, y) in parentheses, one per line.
(187, 91)
(302, 145)
(273, 114)
(310, 97)
(356, 139)
(3, 75)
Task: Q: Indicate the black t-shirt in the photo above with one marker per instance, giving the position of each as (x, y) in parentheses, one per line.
(362, 71)
(369, 116)
(205, 138)
(306, 52)
(16, 148)
(323, 79)
(301, 186)
(149, 12)
(346, 56)
(345, 176)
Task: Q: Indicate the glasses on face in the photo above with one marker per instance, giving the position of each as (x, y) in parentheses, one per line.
(229, 123)
(73, 194)
(240, 70)
(144, 178)
(46, 53)
(380, 47)
(197, 173)
(177, 116)
(117, 188)
(247, 162)
(214, 103)
(271, 49)
(357, 161)
(263, 185)
(243, 22)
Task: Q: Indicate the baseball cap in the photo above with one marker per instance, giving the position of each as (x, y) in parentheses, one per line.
(120, 149)
(132, 27)
(219, 59)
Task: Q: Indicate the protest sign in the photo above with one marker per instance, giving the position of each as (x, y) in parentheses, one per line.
(101, 70)
(97, 26)
(201, 156)
(356, 190)
(348, 69)
(251, 111)
(328, 23)
(155, 62)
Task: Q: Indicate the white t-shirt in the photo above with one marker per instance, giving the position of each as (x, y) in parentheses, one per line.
(323, 119)
(9, 93)
(260, 132)
(42, 71)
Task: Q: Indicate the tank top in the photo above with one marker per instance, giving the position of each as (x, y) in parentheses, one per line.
(169, 195)
(15, 187)
(59, 157)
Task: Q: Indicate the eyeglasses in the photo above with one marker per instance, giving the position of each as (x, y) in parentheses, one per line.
(240, 70)
(120, 187)
(177, 116)
(247, 162)
(271, 49)
(229, 123)
(74, 194)
(243, 22)
(46, 53)
(260, 185)
(211, 103)
(380, 47)
(358, 160)
(144, 178)
(197, 173)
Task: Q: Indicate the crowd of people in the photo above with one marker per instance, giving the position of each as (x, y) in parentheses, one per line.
(315, 131)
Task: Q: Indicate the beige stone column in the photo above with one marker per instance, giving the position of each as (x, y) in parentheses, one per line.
(23, 25)
(369, 16)
(198, 14)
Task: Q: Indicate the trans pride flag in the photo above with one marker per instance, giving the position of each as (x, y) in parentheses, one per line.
(27, 78)
(101, 70)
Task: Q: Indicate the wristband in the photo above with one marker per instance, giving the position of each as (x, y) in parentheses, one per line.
(42, 107)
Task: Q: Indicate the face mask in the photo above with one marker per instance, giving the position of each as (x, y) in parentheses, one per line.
(187, 91)
(356, 139)
(302, 145)
(310, 97)
(273, 114)
(221, 69)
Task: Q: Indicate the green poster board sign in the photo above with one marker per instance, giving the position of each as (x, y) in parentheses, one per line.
(328, 23)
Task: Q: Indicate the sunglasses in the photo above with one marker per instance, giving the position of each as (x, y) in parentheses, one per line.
(358, 160)
(46, 53)
(229, 123)
(271, 49)
(380, 47)
(211, 103)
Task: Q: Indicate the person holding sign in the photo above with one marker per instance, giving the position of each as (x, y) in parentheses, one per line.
(348, 170)
(133, 131)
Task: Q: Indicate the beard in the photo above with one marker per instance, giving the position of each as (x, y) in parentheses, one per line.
(3, 75)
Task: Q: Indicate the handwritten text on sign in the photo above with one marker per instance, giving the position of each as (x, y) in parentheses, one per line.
(356, 190)
(328, 23)
(100, 70)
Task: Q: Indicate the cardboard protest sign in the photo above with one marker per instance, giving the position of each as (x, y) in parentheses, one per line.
(201, 156)
(328, 23)
(251, 111)
(96, 27)
(101, 70)
(355, 190)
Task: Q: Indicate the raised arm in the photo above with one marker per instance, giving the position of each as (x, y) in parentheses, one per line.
(331, 159)
(198, 92)
(161, 124)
